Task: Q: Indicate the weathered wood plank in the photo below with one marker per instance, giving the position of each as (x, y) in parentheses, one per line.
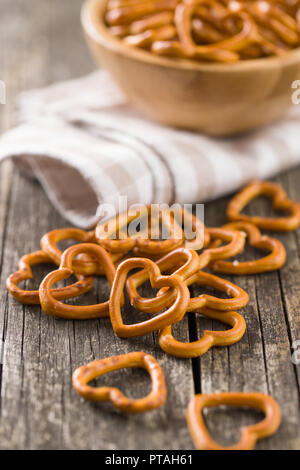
(39, 407)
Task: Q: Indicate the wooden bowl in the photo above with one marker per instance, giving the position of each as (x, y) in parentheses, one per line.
(216, 99)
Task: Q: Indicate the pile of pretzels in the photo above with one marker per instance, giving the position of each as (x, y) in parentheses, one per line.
(207, 30)
(171, 265)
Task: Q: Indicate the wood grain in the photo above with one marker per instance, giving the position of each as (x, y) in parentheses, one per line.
(39, 409)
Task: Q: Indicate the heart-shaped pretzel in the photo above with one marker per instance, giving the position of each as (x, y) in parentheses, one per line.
(172, 315)
(239, 297)
(249, 434)
(209, 338)
(91, 371)
(234, 244)
(280, 202)
(182, 262)
(31, 297)
(116, 225)
(271, 262)
(80, 266)
(54, 307)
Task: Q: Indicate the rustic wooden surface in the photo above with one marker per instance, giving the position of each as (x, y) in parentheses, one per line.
(42, 42)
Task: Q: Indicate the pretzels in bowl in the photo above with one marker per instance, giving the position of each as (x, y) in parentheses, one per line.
(207, 30)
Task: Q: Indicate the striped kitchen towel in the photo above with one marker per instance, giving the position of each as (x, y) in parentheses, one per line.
(87, 146)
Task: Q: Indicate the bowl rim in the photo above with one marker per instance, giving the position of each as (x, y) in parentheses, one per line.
(92, 20)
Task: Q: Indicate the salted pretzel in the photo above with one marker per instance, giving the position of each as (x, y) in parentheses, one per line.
(156, 398)
(124, 242)
(249, 434)
(235, 243)
(271, 262)
(281, 202)
(209, 339)
(54, 307)
(171, 315)
(238, 297)
(31, 297)
(80, 266)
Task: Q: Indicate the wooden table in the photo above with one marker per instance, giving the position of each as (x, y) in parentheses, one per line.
(41, 42)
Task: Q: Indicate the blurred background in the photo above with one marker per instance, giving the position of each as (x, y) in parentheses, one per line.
(40, 42)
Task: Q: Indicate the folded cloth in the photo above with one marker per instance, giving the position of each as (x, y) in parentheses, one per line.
(87, 146)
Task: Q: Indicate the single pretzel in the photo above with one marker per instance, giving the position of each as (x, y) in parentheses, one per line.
(235, 243)
(91, 371)
(80, 266)
(238, 297)
(209, 338)
(31, 297)
(249, 434)
(280, 202)
(116, 225)
(54, 307)
(271, 262)
(172, 315)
